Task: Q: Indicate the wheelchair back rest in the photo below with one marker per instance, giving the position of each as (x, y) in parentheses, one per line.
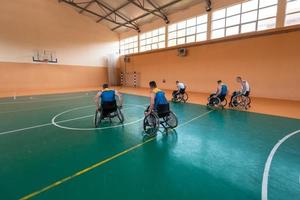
(163, 110)
(109, 107)
(182, 91)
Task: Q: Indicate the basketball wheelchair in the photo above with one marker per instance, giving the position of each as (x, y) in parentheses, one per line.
(108, 110)
(241, 102)
(162, 117)
(216, 102)
(180, 96)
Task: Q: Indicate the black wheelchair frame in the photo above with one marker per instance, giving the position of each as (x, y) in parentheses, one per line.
(181, 97)
(217, 102)
(108, 110)
(241, 102)
(164, 117)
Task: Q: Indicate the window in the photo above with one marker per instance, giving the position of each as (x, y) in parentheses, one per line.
(188, 31)
(153, 39)
(253, 15)
(129, 45)
(292, 12)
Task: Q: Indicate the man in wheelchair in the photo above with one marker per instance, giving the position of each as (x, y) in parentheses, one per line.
(180, 89)
(106, 104)
(219, 97)
(158, 112)
(241, 97)
(179, 95)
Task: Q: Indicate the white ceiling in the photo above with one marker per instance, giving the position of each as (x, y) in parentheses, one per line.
(128, 11)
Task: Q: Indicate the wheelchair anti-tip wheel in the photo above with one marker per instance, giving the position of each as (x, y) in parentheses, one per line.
(151, 124)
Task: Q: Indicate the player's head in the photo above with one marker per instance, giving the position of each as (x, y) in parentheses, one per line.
(238, 79)
(105, 85)
(219, 81)
(177, 82)
(152, 84)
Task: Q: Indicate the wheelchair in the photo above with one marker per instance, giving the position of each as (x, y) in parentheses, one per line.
(181, 97)
(216, 102)
(241, 102)
(108, 110)
(162, 117)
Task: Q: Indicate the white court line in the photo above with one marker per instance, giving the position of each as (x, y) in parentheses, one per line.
(195, 118)
(264, 189)
(44, 100)
(32, 109)
(89, 129)
(48, 124)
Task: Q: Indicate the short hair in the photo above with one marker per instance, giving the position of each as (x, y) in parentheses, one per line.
(152, 84)
(219, 81)
(177, 81)
(105, 85)
(238, 77)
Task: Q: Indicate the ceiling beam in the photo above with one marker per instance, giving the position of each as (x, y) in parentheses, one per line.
(116, 13)
(146, 14)
(112, 12)
(159, 10)
(70, 2)
(85, 7)
(209, 4)
(153, 12)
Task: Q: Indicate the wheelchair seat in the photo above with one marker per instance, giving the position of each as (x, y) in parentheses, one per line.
(163, 110)
(109, 107)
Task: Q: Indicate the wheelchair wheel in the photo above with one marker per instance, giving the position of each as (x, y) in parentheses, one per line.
(120, 115)
(224, 102)
(97, 118)
(151, 124)
(176, 100)
(185, 97)
(235, 101)
(171, 120)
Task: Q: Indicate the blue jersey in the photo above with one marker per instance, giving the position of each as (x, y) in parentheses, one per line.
(223, 90)
(108, 95)
(160, 98)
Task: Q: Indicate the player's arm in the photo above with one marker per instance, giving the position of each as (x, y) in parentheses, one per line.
(151, 107)
(96, 99)
(119, 95)
(218, 92)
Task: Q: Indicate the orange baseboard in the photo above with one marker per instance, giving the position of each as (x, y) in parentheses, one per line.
(278, 107)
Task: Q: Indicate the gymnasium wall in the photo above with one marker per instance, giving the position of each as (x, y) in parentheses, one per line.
(82, 46)
(270, 62)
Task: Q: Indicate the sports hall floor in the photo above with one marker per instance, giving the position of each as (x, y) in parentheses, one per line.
(50, 150)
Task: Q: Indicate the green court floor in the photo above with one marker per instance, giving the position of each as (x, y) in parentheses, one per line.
(50, 150)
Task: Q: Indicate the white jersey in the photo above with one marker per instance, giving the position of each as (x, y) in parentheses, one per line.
(245, 87)
(181, 86)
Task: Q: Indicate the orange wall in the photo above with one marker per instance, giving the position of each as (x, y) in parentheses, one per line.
(24, 79)
(270, 63)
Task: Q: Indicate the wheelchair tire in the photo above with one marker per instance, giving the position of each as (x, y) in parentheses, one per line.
(151, 124)
(120, 115)
(171, 120)
(175, 100)
(185, 97)
(97, 119)
(224, 103)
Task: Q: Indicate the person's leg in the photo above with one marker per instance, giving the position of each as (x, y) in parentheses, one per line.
(175, 93)
(221, 97)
